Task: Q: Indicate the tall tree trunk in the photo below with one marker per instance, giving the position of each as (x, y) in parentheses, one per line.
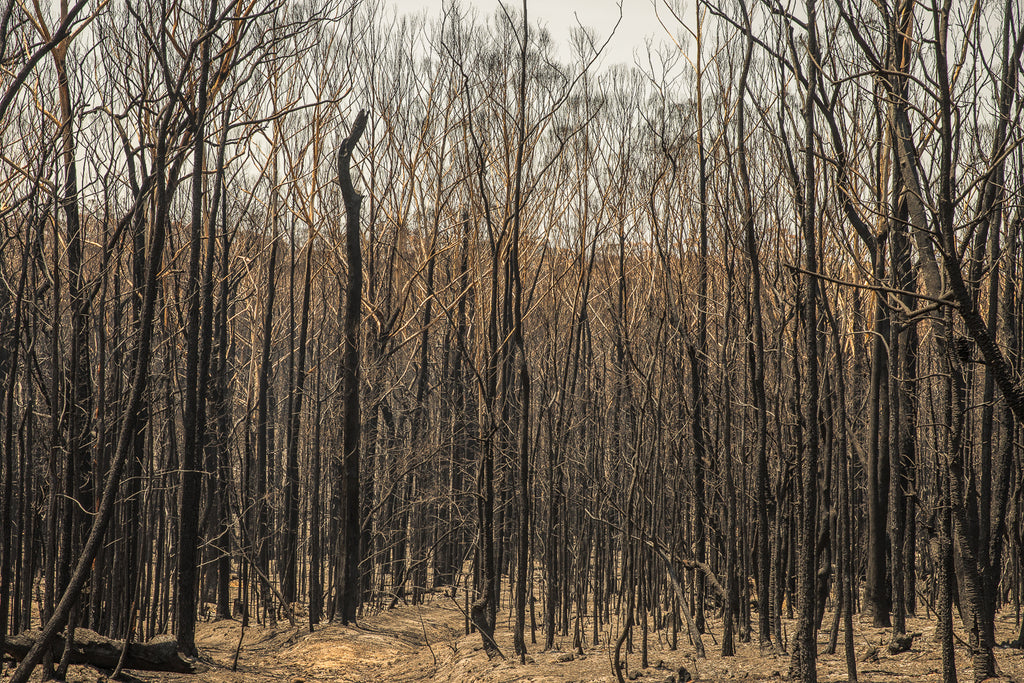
(198, 332)
(347, 583)
(756, 354)
(698, 355)
(78, 490)
(519, 344)
(288, 588)
(10, 350)
(805, 650)
(315, 532)
(220, 417)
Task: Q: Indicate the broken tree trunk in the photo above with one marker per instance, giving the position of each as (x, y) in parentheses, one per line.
(89, 647)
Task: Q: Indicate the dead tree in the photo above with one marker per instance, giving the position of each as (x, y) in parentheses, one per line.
(346, 479)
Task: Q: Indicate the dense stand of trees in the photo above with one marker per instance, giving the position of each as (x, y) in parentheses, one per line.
(690, 345)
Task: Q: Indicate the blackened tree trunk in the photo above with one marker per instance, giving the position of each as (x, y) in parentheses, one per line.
(197, 364)
(876, 593)
(944, 559)
(78, 489)
(315, 533)
(10, 348)
(518, 341)
(698, 355)
(805, 649)
(896, 509)
(291, 540)
(902, 434)
(756, 353)
(844, 586)
(730, 614)
(347, 584)
(259, 530)
(220, 386)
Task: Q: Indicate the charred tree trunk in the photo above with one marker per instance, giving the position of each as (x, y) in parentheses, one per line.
(756, 357)
(347, 583)
(805, 648)
(289, 582)
(197, 364)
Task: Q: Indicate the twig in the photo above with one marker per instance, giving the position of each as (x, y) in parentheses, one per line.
(234, 663)
(426, 639)
(936, 301)
(116, 675)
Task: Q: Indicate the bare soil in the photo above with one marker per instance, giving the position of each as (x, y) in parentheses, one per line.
(428, 643)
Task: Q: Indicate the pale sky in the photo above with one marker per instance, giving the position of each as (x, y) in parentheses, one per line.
(639, 20)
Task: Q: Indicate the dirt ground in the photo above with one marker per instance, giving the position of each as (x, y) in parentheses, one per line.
(428, 643)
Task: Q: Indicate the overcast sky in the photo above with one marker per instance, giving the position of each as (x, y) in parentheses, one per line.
(639, 20)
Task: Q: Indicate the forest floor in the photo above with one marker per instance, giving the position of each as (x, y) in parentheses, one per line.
(428, 643)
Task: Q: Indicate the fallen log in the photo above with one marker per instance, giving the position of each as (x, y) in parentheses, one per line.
(159, 654)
